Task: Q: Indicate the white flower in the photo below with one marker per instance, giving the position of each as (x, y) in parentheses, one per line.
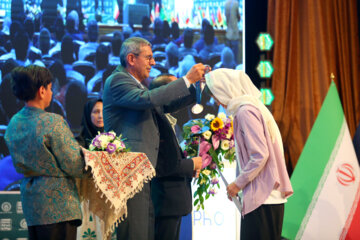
(104, 141)
(209, 117)
(207, 134)
(225, 144)
(222, 116)
(119, 145)
(111, 135)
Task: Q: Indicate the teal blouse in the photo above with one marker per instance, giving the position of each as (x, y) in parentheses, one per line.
(44, 149)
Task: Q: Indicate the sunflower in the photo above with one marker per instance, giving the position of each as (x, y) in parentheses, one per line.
(216, 124)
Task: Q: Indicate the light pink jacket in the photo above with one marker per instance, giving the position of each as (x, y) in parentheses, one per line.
(261, 161)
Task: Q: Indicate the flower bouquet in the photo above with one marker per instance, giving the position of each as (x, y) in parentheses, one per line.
(108, 141)
(212, 139)
(117, 175)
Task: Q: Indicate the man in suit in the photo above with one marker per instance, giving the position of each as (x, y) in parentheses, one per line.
(171, 193)
(136, 112)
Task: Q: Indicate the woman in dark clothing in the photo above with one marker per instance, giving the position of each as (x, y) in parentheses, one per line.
(92, 121)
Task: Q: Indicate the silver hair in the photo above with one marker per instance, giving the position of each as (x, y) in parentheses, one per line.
(132, 45)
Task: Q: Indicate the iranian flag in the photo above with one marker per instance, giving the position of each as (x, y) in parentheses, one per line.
(325, 181)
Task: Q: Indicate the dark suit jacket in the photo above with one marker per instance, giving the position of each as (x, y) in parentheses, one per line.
(131, 110)
(171, 192)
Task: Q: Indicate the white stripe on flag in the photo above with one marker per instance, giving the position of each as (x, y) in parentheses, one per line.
(336, 192)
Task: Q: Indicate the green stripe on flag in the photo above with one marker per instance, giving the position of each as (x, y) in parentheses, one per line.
(312, 162)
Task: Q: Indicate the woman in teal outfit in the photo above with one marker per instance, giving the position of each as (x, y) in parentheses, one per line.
(44, 149)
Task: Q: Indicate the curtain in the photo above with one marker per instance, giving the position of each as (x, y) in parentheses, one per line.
(312, 39)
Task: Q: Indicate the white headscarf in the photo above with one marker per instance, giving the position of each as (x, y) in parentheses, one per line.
(234, 88)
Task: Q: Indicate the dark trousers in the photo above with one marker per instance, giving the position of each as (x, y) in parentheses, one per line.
(56, 231)
(139, 223)
(263, 223)
(167, 228)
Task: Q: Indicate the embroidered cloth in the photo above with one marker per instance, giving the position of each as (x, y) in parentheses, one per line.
(115, 178)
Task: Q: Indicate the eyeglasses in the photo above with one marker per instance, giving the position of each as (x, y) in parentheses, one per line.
(148, 57)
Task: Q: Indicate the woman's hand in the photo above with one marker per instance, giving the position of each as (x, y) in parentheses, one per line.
(232, 190)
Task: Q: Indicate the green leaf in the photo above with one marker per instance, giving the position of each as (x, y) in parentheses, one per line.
(214, 155)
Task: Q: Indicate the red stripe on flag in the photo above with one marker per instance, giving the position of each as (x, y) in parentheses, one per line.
(351, 230)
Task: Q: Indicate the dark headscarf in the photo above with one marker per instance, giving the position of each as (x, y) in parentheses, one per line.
(89, 130)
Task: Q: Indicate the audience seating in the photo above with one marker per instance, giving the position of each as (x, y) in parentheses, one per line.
(159, 47)
(73, 75)
(34, 54)
(56, 107)
(213, 59)
(161, 68)
(2, 51)
(90, 57)
(86, 68)
(159, 56)
(56, 55)
(47, 60)
(197, 59)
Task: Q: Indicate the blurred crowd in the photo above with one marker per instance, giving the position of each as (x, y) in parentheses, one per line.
(81, 60)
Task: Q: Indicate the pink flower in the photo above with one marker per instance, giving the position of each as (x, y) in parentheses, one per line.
(215, 141)
(212, 165)
(232, 144)
(206, 160)
(195, 129)
(195, 142)
(204, 148)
